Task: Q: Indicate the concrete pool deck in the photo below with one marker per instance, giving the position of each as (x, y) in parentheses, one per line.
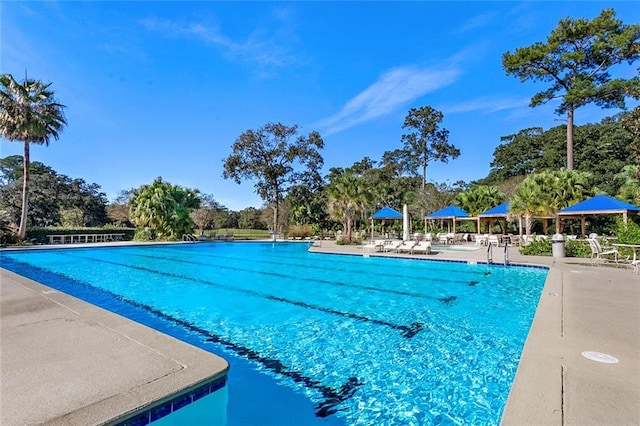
(64, 361)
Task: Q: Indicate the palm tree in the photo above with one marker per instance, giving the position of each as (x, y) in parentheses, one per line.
(480, 198)
(29, 114)
(544, 194)
(566, 187)
(529, 200)
(347, 197)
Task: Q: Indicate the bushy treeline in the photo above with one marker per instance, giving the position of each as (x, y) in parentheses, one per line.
(524, 170)
(54, 199)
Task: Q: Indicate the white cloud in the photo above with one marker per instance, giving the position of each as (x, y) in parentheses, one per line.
(258, 47)
(487, 105)
(477, 22)
(394, 89)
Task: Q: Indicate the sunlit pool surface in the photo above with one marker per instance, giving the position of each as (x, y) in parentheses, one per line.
(346, 339)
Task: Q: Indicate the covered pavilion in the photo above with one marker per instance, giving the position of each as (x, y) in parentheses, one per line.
(498, 213)
(599, 205)
(385, 213)
(451, 214)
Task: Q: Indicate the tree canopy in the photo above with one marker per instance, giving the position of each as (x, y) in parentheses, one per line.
(426, 142)
(275, 162)
(55, 199)
(603, 149)
(576, 61)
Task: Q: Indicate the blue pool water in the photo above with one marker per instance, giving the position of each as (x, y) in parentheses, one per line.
(315, 338)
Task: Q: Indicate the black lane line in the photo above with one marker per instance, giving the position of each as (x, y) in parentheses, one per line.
(383, 274)
(446, 300)
(408, 331)
(332, 398)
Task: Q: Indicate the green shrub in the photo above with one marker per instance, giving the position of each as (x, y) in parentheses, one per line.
(575, 248)
(301, 231)
(628, 233)
(537, 248)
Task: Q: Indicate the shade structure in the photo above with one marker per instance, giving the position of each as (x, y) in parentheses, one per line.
(600, 205)
(385, 213)
(498, 212)
(451, 214)
(501, 210)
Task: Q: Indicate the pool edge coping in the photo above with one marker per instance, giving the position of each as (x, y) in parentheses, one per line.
(193, 367)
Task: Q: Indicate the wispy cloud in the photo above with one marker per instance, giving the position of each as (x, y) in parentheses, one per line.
(487, 105)
(260, 46)
(394, 89)
(476, 22)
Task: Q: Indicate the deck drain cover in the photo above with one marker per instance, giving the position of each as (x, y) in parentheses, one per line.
(600, 357)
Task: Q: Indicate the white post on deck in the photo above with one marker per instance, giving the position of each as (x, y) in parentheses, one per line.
(405, 223)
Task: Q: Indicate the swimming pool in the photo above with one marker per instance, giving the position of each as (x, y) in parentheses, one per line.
(314, 338)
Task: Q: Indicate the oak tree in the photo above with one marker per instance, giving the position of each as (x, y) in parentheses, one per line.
(276, 158)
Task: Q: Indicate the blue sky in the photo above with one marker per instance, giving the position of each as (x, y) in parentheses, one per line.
(164, 88)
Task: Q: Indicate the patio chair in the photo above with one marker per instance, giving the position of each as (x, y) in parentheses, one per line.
(493, 240)
(481, 239)
(598, 253)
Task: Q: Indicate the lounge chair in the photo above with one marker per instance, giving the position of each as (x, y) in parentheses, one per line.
(376, 245)
(599, 253)
(406, 247)
(422, 247)
(494, 240)
(391, 245)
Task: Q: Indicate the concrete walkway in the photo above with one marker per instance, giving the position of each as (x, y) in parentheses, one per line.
(55, 348)
(66, 362)
(582, 308)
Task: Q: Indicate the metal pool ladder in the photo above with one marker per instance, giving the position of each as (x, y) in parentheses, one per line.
(490, 253)
(506, 253)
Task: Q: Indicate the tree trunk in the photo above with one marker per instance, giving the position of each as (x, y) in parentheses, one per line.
(570, 138)
(424, 176)
(527, 225)
(275, 210)
(22, 231)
